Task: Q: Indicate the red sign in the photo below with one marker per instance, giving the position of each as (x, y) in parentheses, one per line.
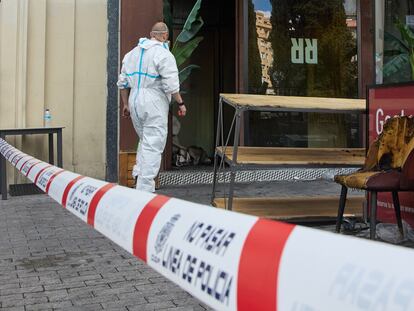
(383, 103)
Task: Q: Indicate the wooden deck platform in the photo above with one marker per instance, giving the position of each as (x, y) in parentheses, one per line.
(295, 208)
(297, 156)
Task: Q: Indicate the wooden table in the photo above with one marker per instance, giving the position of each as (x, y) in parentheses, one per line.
(238, 157)
(293, 103)
(30, 131)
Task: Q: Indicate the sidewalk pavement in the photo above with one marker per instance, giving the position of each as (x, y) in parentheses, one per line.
(51, 260)
(313, 188)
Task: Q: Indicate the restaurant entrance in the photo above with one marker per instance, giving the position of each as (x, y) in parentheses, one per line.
(216, 57)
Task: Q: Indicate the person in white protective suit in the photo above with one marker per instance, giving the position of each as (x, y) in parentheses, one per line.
(148, 81)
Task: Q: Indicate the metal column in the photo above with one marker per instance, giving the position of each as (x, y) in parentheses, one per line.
(218, 133)
(59, 148)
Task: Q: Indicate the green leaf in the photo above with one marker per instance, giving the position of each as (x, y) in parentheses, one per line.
(412, 66)
(187, 34)
(395, 64)
(185, 73)
(406, 33)
(394, 44)
(192, 25)
(183, 51)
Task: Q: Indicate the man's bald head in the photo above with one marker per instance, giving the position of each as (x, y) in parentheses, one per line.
(159, 32)
(159, 27)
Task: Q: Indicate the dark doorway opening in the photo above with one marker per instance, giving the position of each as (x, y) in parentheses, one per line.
(216, 56)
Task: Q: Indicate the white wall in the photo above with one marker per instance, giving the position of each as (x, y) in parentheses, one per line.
(53, 55)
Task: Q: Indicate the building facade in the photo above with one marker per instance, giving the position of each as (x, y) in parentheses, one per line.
(65, 55)
(264, 29)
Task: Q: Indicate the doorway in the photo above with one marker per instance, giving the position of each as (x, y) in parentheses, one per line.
(216, 56)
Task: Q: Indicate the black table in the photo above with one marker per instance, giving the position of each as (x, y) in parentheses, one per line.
(30, 131)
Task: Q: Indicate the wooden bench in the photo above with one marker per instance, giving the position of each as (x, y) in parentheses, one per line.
(296, 208)
(295, 156)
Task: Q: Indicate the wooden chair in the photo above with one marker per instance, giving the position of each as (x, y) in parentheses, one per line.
(388, 167)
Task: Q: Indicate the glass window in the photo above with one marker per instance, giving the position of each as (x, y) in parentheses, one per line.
(394, 43)
(303, 48)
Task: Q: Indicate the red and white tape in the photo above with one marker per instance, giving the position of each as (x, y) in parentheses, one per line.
(232, 261)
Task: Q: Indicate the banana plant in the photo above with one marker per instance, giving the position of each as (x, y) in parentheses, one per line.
(401, 50)
(187, 41)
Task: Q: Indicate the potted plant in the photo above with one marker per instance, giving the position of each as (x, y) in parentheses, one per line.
(187, 41)
(400, 52)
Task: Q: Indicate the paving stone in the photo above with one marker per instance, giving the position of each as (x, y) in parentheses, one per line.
(158, 297)
(189, 301)
(94, 300)
(89, 307)
(13, 284)
(21, 308)
(87, 291)
(130, 295)
(152, 306)
(187, 308)
(83, 278)
(125, 303)
(20, 301)
(103, 282)
(115, 291)
(117, 305)
(148, 288)
(50, 305)
(7, 299)
(64, 285)
(52, 296)
(21, 290)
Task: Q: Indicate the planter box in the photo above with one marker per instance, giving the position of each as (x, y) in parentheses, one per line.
(126, 163)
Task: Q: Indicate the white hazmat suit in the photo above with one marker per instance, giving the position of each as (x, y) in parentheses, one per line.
(150, 71)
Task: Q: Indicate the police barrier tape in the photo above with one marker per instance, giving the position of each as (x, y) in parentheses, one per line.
(232, 261)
